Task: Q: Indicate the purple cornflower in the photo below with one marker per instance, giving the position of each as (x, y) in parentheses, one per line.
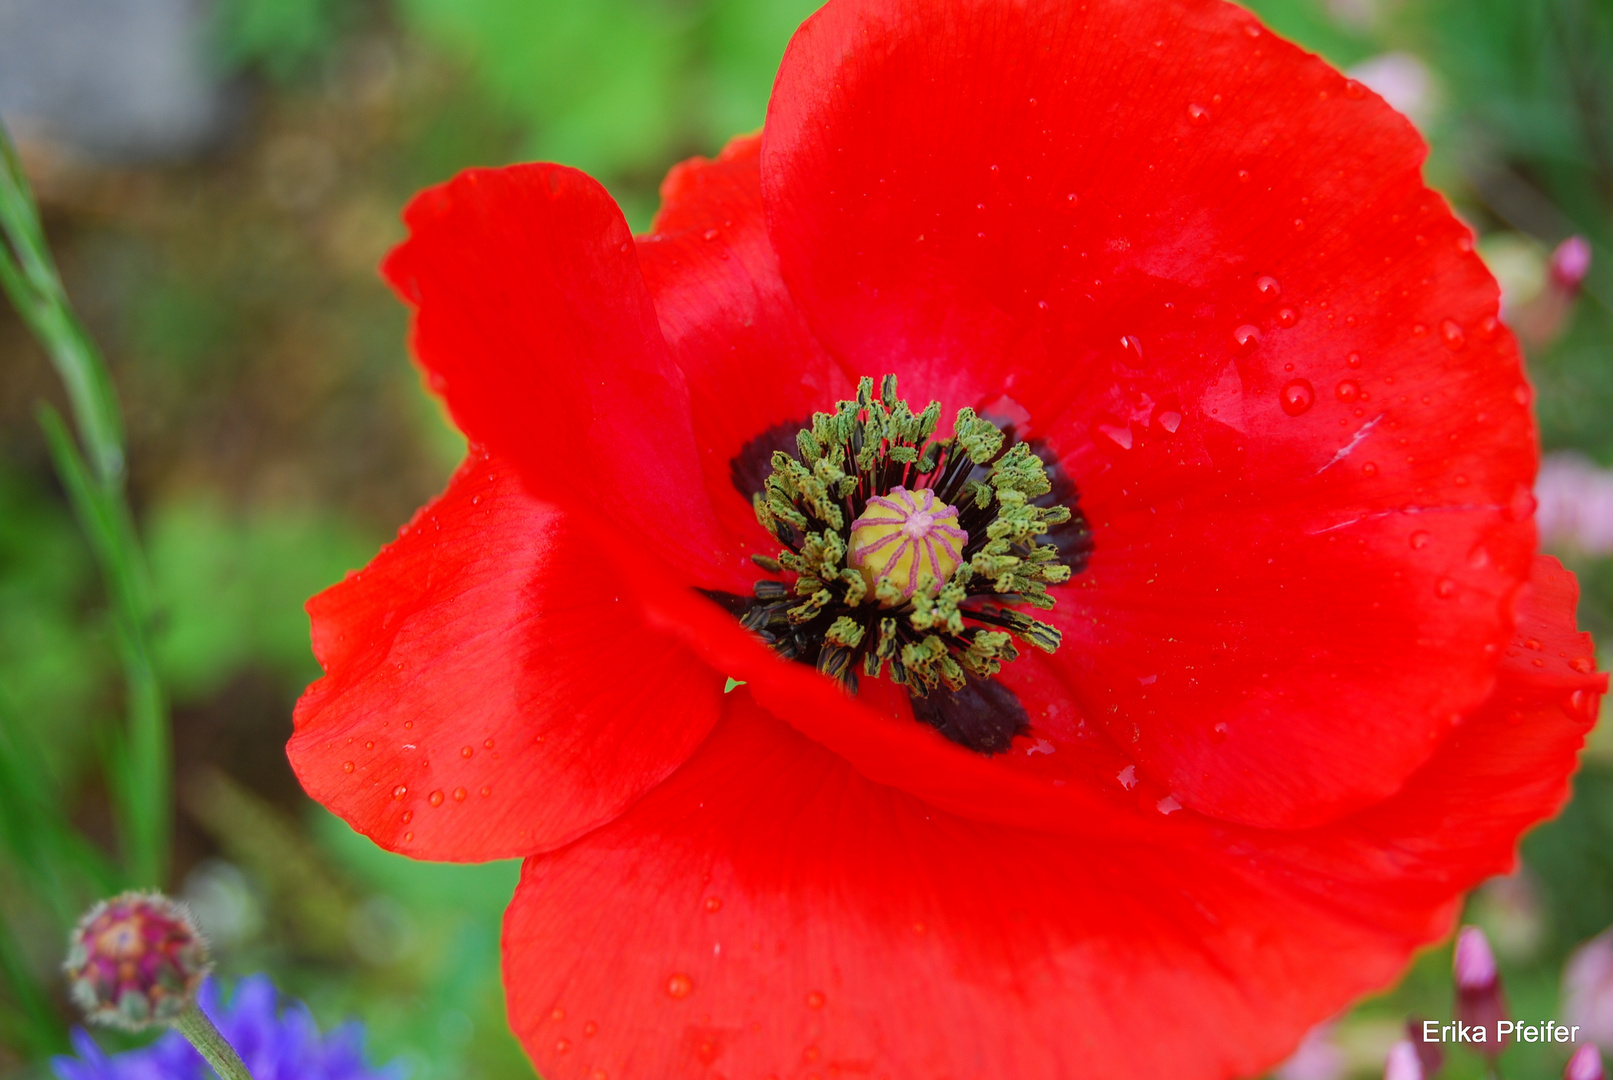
(275, 1044)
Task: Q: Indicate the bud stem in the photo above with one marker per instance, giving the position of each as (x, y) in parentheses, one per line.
(199, 1030)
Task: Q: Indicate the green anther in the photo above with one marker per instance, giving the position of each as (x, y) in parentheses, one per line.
(845, 631)
(887, 391)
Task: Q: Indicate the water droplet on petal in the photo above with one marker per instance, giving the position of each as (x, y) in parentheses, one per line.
(1520, 393)
(399, 792)
(1445, 588)
(1353, 360)
(369, 744)
(711, 234)
(1133, 346)
(1347, 390)
(713, 903)
(1488, 326)
(1198, 114)
(1170, 420)
(679, 986)
(815, 999)
(348, 766)
(562, 1045)
(590, 1029)
(435, 798)
(1287, 317)
(558, 1014)
(1354, 90)
(1419, 540)
(1128, 777)
(1521, 507)
(459, 794)
(1218, 733)
(1582, 664)
(1246, 338)
(1583, 705)
(1268, 288)
(1168, 805)
(466, 751)
(488, 744)
(408, 816)
(1369, 469)
(1450, 331)
(1298, 396)
(1116, 434)
(485, 791)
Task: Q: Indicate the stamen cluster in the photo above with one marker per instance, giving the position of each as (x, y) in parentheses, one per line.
(931, 633)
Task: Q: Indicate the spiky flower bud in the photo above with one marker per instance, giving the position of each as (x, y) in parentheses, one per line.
(136, 961)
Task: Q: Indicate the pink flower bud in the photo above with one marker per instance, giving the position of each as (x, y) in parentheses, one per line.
(1570, 263)
(1588, 989)
(136, 961)
(1586, 1064)
(1473, 962)
(1402, 1063)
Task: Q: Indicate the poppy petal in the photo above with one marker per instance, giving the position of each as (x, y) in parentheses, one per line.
(488, 693)
(768, 910)
(1205, 269)
(533, 322)
(755, 372)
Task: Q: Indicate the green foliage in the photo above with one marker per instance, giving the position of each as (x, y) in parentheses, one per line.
(620, 88)
(279, 37)
(230, 589)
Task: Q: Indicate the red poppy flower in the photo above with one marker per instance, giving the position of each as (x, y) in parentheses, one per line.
(1306, 682)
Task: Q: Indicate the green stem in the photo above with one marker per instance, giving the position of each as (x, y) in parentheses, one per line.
(196, 1027)
(94, 479)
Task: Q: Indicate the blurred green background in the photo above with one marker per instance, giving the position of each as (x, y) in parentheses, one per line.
(278, 436)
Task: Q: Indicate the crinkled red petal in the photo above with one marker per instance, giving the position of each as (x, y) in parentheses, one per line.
(533, 322)
(768, 910)
(1203, 266)
(488, 691)
(751, 364)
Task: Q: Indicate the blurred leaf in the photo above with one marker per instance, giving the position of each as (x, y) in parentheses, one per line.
(231, 589)
(280, 37)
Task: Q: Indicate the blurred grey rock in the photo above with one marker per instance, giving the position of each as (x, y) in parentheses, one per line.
(110, 80)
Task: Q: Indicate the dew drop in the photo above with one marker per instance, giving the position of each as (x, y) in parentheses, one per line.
(1298, 396)
(1072, 198)
(348, 766)
(408, 837)
(1287, 317)
(485, 791)
(1168, 805)
(466, 751)
(1582, 664)
(399, 792)
(558, 1014)
(1582, 705)
(1268, 288)
(1128, 777)
(815, 999)
(408, 725)
(1117, 434)
(679, 986)
(435, 798)
(1218, 733)
(1450, 331)
(1520, 394)
(562, 1045)
(1198, 114)
(1133, 345)
(1354, 90)
(1170, 420)
(459, 794)
(1369, 469)
(1446, 588)
(590, 1029)
(408, 816)
(1353, 360)
(1246, 338)
(713, 903)
(1347, 390)
(1243, 176)
(1464, 243)
(1419, 330)
(1533, 645)
(711, 234)
(487, 744)
(1419, 540)
(1521, 507)
(1488, 326)
(599, 1074)
(1299, 224)
(369, 744)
